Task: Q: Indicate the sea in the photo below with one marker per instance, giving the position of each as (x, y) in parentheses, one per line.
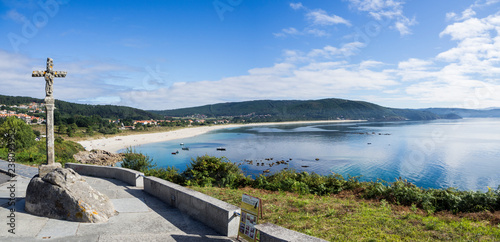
(464, 154)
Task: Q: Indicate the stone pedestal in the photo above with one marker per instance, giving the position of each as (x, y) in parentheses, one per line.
(44, 169)
(51, 164)
(49, 107)
(64, 194)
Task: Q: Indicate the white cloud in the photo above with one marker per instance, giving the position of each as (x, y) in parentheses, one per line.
(466, 14)
(468, 71)
(296, 6)
(287, 31)
(278, 69)
(469, 12)
(15, 16)
(470, 28)
(370, 64)
(328, 52)
(282, 81)
(416, 70)
(469, 75)
(317, 32)
(308, 31)
(414, 64)
(320, 17)
(388, 9)
(402, 25)
(85, 79)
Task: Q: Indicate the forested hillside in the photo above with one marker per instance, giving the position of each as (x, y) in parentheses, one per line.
(324, 109)
(67, 109)
(466, 113)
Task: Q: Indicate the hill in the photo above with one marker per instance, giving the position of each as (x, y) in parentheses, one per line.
(466, 113)
(70, 109)
(288, 110)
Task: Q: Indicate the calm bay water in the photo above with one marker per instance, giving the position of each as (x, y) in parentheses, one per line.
(433, 154)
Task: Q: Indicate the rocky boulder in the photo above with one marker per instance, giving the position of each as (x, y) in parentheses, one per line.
(98, 157)
(64, 194)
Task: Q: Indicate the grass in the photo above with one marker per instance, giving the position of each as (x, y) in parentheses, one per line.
(344, 217)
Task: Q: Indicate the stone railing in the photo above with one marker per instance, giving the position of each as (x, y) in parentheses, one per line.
(220, 216)
(274, 233)
(129, 176)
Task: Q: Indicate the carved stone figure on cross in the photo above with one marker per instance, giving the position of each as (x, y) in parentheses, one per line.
(49, 75)
(49, 79)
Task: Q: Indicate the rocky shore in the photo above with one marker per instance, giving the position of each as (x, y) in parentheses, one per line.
(98, 157)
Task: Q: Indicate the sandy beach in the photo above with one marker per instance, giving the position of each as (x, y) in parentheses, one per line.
(114, 144)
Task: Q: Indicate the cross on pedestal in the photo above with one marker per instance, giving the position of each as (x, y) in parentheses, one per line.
(49, 74)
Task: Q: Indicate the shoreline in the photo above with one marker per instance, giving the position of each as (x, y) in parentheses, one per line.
(116, 143)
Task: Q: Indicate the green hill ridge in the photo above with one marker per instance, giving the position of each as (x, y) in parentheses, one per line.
(69, 109)
(290, 110)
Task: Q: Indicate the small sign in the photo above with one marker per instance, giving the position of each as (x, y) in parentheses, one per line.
(250, 209)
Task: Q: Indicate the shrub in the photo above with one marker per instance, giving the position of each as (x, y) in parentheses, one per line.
(137, 161)
(212, 171)
(170, 174)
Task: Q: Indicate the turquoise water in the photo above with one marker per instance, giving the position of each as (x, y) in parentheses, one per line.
(433, 154)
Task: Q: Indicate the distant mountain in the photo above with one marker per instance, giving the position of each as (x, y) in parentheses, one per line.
(324, 109)
(466, 113)
(70, 109)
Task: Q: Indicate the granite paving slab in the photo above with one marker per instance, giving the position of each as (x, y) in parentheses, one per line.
(141, 217)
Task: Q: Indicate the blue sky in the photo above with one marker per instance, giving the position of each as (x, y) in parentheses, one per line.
(173, 54)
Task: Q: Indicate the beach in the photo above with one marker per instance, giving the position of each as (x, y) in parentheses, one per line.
(116, 143)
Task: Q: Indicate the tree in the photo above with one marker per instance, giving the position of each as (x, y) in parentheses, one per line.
(61, 129)
(128, 122)
(17, 129)
(72, 129)
(89, 131)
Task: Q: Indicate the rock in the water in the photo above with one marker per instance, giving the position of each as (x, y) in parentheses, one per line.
(98, 157)
(64, 194)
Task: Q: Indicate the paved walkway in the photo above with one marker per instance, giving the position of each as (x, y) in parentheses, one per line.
(23, 170)
(141, 217)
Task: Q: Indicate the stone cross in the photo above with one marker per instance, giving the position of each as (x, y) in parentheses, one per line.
(49, 74)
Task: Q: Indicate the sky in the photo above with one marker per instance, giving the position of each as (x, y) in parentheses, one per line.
(174, 54)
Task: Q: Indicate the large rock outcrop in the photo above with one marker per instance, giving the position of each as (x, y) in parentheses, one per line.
(64, 194)
(98, 157)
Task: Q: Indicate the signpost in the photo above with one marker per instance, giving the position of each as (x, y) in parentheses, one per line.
(251, 207)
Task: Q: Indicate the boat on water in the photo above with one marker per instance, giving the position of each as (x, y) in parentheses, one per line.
(175, 153)
(185, 148)
(221, 149)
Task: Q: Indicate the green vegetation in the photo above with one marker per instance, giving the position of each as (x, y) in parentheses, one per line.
(204, 171)
(325, 109)
(345, 217)
(68, 117)
(29, 151)
(37, 154)
(66, 109)
(19, 131)
(136, 161)
(207, 171)
(212, 171)
(337, 209)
